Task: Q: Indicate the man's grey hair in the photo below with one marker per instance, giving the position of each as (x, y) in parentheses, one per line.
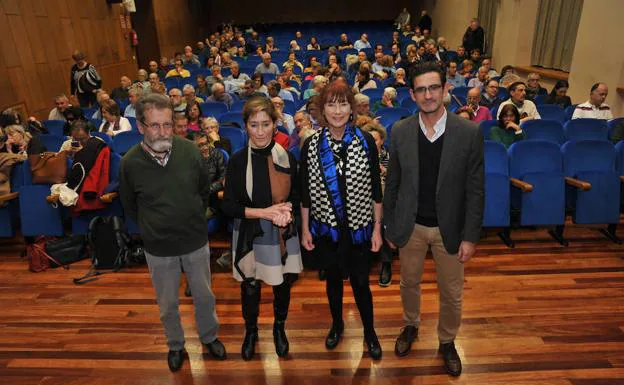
(188, 87)
(136, 90)
(175, 89)
(216, 86)
(391, 92)
(150, 102)
(60, 96)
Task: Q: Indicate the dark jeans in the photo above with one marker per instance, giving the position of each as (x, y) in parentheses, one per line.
(86, 99)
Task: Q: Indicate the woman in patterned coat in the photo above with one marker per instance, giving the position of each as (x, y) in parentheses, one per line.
(341, 208)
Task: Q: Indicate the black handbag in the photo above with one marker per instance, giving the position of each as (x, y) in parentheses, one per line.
(67, 250)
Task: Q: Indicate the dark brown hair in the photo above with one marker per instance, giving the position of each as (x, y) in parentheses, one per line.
(258, 104)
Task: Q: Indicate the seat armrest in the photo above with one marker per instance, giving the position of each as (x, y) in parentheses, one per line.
(8, 197)
(580, 184)
(523, 186)
(52, 198)
(109, 197)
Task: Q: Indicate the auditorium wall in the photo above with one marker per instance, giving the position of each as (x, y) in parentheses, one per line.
(38, 38)
(450, 18)
(599, 53)
(175, 25)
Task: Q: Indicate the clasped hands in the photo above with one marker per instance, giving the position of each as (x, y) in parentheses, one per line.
(280, 214)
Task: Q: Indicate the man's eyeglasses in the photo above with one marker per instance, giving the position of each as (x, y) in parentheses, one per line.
(432, 89)
(158, 126)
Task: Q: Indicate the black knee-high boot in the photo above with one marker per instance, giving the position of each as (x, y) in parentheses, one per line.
(250, 300)
(281, 303)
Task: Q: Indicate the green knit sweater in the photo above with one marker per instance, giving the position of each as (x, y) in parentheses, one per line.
(506, 137)
(167, 202)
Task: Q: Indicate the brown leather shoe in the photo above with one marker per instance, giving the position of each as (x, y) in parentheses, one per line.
(403, 344)
(452, 362)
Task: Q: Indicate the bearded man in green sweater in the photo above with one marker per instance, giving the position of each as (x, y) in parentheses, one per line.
(164, 187)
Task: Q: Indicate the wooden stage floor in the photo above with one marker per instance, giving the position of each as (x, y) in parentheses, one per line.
(537, 314)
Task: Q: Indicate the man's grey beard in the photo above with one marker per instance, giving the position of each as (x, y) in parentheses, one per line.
(160, 145)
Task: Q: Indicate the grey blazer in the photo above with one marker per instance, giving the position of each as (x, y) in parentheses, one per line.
(460, 189)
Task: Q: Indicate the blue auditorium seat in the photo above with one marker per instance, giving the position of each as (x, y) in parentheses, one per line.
(538, 163)
(551, 112)
(389, 116)
(215, 109)
(586, 129)
(52, 142)
(54, 127)
(235, 135)
(237, 106)
(373, 93)
(124, 141)
(486, 127)
(410, 105)
(460, 91)
(543, 129)
(597, 202)
(228, 118)
(497, 189)
(612, 123)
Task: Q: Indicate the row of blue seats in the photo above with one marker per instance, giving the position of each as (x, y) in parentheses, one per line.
(544, 182)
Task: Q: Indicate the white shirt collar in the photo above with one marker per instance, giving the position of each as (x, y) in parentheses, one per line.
(438, 128)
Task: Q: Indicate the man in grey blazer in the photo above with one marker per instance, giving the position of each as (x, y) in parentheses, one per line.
(434, 198)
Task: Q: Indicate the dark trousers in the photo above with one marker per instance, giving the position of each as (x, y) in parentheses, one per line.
(358, 277)
(86, 99)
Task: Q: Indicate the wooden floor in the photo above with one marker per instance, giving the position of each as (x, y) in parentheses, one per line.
(537, 314)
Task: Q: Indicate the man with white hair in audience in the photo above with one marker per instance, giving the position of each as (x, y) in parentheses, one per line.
(178, 102)
(318, 83)
(219, 95)
(388, 100)
(362, 105)
(480, 80)
(283, 119)
(189, 57)
(534, 88)
(133, 95)
(121, 92)
(442, 44)
(362, 43)
(62, 104)
(190, 97)
(215, 77)
(267, 67)
(595, 107)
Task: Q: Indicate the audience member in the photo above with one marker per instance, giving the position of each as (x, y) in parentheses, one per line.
(178, 103)
(362, 43)
(193, 115)
(480, 80)
(155, 69)
(292, 61)
(425, 21)
(453, 78)
(462, 54)
(180, 127)
(403, 19)
(318, 83)
(121, 92)
(178, 71)
(143, 80)
(490, 97)
(363, 81)
(464, 112)
(113, 123)
(133, 96)
(84, 80)
(210, 127)
(215, 165)
(267, 67)
(219, 95)
(443, 45)
(362, 105)
(474, 37)
(475, 56)
(534, 88)
(467, 68)
(62, 104)
(595, 107)
(202, 90)
(269, 45)
(558, 96)
(479, 112)
(189, 57)
(314, 45)
(344, 42)
(517, 97)
(508, 130)
(80, 134)
(303, 129)
(275, 89)
(487, 63)
(188, 91)
(400, 79)
(283, 119)
(388, 100)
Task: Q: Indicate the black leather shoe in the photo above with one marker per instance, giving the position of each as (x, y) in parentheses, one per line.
(403, 345)
(175, 359)
(374, 348)
(217, 350)
(452, 362)
(385, 277)
(334, 336)
(248, 351)
(322, 274)
(280, 340)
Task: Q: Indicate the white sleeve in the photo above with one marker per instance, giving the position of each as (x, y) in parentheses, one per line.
(578, 113)
(124, 125)
(536, 114)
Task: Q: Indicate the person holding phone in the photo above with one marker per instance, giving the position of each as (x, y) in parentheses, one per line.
(508, 130)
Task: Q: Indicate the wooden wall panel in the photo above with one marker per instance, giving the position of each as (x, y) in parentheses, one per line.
(175, 25)
(39, 37)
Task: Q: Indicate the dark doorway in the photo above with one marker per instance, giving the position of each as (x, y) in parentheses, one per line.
(144, 24)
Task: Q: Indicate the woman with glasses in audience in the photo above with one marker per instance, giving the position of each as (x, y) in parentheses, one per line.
(508, 130)
(210, 127)
(341, 208)
(260, 193)
(113, 123)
